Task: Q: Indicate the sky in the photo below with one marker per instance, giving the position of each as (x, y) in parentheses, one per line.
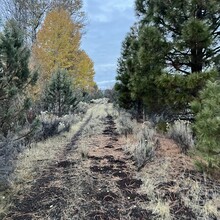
(108, 23)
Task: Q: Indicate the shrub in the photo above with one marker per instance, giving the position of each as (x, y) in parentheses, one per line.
(9, 150)
(52, 125)
(162, 126)
(59, 97)
(147, 143)
(181, 132)
(207, 124)
(143, 152)
(125, 125)
(82, 108)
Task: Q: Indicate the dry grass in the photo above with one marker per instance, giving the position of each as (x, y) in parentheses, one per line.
(166, 175)
(173, 185)
(161, 209)
(125, 125)
(48, 150)
(38, 156)
(84, 150)
(43, 152)
(83, 182)
(181, 132)
(141, 142)
(4, 203)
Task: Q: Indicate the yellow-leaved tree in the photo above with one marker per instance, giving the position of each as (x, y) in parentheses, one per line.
(84, 71)
(58, 46)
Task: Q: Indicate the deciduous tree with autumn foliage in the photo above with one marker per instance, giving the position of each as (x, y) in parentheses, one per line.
(58, 46)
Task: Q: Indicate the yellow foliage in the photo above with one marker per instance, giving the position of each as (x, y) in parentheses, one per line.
(58, 46)
(85, 72)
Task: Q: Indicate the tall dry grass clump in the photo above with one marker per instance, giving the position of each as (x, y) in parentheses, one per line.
(181, 132)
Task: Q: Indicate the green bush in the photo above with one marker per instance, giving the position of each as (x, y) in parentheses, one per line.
(59, 97)
(207, 124)
(161, 126)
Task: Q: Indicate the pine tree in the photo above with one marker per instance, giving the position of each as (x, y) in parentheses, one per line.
(124, 72)
(59, 95)
(190, 27)
(207, 124)
(150, 56)
(174, 41)
(178, 91)
(141, 62)
(15, 76)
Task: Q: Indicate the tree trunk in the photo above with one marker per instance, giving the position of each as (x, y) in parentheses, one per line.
(196, 59)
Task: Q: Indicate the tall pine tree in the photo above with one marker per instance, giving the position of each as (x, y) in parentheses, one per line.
(124, 71)
(15, 76)
(207, 125)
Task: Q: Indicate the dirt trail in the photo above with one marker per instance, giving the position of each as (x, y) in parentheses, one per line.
(102, 186)
(92, 178)
(46, 198)
(115, 194)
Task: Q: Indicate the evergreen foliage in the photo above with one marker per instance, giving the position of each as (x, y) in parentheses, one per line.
(152, 47)
(190, 27)
(125, 70)
(59, 95)
(181, 90)
(207, 124)
(14, 78)
(167, 59)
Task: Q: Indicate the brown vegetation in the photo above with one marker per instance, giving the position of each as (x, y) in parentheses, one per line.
(91, 173)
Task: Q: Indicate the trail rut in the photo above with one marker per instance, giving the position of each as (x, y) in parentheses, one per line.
(101, 186)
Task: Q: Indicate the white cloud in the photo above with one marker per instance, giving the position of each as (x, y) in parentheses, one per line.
(106, 82)
(103, 11)
(120, 5)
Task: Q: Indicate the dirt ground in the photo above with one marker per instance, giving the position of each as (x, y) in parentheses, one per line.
(103, 182)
